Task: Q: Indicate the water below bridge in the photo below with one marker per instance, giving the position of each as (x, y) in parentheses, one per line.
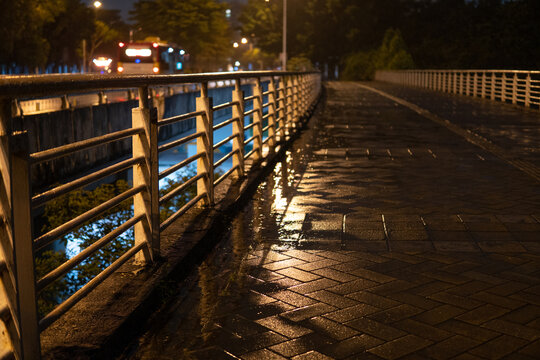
(382, 234)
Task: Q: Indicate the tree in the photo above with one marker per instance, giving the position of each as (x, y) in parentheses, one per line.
(21, 34)
(199, 26)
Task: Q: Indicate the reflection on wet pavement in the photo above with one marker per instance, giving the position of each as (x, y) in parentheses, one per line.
(379, 235)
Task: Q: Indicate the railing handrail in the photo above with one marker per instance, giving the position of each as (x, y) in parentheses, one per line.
(519, 87)
(273, 116)
(60, 84)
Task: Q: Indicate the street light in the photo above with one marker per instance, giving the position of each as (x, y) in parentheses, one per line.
(284, 52)
(97, 4)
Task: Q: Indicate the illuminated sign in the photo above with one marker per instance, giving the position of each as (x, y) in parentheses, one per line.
(138, 52)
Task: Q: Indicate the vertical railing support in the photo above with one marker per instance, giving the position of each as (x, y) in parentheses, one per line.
(475, 84)
(146, 202)
(272, 114)
(295, 101)
(282, 105)
(288, 105)
(257, 120)
(493, 85)
(21, 225)
(483, 90)
(205, 144)
(528, 90)
(503, 87)
(514, 89)
(238, 129)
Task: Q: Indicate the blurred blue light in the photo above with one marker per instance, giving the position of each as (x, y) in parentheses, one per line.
(178, 66)
(137, 61)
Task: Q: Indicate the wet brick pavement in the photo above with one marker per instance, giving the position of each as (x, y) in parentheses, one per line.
(381, 235)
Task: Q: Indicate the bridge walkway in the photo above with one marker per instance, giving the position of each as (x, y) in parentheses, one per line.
(385, 233)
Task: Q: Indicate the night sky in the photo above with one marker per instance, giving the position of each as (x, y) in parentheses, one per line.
(124, 5)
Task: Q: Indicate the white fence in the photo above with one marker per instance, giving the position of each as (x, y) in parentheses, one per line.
(508, 86)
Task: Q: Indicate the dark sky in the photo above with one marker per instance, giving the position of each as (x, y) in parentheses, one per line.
(124, 5)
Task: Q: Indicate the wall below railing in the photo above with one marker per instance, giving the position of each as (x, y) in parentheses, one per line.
(76, 124)
(509, 86)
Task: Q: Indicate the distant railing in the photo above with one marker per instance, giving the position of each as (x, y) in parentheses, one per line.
(290, 96)
(508, 86)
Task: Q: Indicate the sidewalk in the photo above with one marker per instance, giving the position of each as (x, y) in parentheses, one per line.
(381, 235)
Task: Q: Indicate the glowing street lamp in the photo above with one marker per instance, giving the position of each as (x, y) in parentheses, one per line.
(235, 44)
(244, 40)
(97, 4)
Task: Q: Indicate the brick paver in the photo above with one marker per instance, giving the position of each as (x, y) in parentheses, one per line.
(382, 235)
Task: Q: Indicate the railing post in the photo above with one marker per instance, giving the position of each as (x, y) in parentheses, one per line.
(288, 105)
(21, 225)
(238, 129)
(146, 202)
(483, 90)
(528, 90)
(257, 120)
(493, 85)
(295, 101)
(282, 105)
(454, 82)
(205, 144)
(503, 87)
(272, 114)
(514, 89)
(475, 84)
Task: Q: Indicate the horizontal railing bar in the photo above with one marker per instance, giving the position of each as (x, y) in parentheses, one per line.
(249, 112)
(36, 85)
(86, 253)
(267, 127)
(249, 126)
(180, 212)
(63, 229)
(247, 141)
(267, 139)
(91, 285)
(178, 189)
(224, 176)
(225, 123)
(180, 165)
(40, 199)
(225, 105)
(179, 142)
(225, 158)
(224, 141)
(247, 155)
(175, 119)
(266, 116)
(82, 145)
(252, 97)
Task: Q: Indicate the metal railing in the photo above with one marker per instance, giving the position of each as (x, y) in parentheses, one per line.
(508, 86)
(290, 96)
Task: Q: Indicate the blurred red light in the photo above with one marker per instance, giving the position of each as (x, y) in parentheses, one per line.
(155, 45)
(121, 44)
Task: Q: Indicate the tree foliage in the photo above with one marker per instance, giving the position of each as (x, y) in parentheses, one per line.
(438, 33)
(36, 33)
(199, 26)
(75, 203)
